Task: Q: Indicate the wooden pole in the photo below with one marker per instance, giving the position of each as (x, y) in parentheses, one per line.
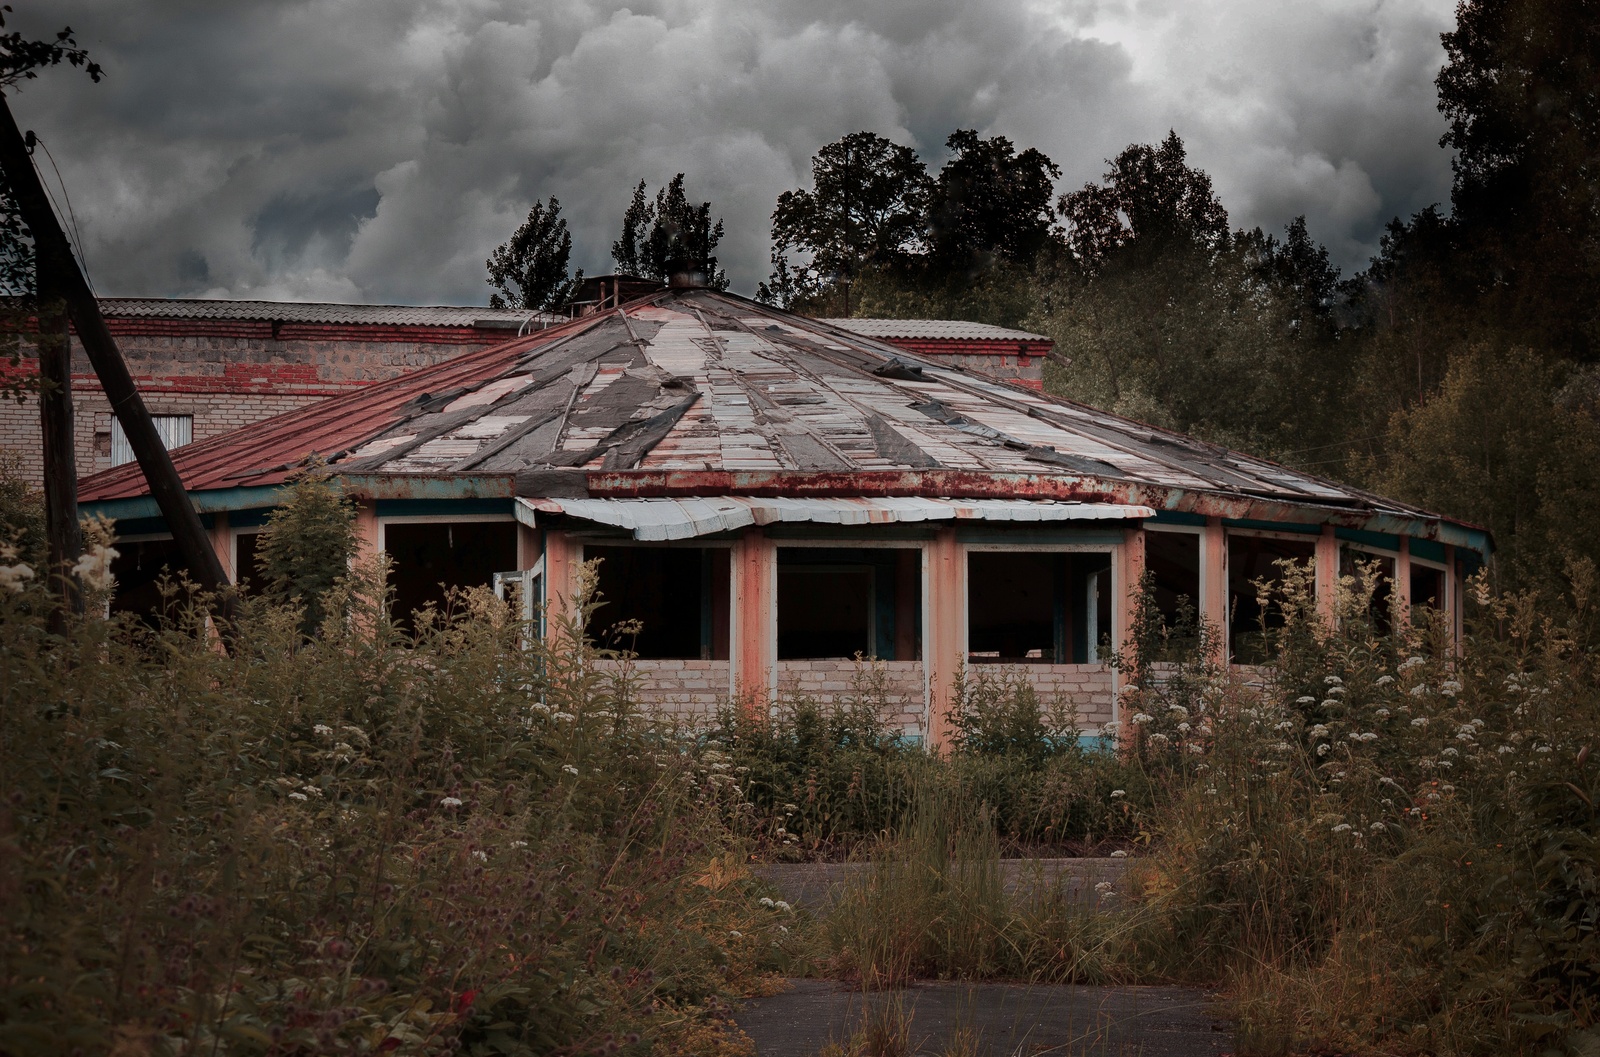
(64, 538)
(60, 268)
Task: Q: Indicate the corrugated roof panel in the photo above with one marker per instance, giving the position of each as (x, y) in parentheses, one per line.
(932, 329)
(318, 312)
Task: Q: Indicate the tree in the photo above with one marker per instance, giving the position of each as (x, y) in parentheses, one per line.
(307, 546)
(1152, 199)
(1521, 89)
(661, 236)
(990, 203)
(530, 271)
(867, 207)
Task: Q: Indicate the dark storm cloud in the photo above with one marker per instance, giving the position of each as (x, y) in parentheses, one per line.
(377, 150)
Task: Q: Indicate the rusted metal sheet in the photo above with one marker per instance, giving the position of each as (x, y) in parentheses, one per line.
(698, 393)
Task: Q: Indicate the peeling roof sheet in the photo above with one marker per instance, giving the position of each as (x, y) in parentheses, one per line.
(676, 519)
(705, 393)
(932, 330)
(312, 312)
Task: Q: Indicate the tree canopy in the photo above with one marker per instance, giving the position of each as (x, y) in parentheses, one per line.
(661, 235)
(530, 270)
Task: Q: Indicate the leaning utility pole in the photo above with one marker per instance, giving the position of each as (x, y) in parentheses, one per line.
(65, 542)
(59, 274)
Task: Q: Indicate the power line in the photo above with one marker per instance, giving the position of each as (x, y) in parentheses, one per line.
(72, 217)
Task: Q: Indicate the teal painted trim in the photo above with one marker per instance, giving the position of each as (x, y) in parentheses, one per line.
(398, 486)
(1176, 517)
(144, 506)
(1272, 526)
(442, 507)
(991, 534)
(245, 519)
(1428, 551)
(1380, 540)
(1096, 743)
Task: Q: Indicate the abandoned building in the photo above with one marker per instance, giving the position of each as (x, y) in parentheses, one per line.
(774, 497)
(207, 367)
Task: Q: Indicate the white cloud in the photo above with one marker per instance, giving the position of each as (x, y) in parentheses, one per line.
(379, 149)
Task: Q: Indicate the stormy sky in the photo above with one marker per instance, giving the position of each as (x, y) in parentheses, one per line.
(377, 150)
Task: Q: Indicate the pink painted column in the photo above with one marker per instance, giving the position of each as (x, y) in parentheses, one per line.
(755, 619)
(1214, 582)
(946, 636)
(366, 532)
(560, 581)
(222, 543)
(1132, 570)
(1402, 582)
(1327, 572)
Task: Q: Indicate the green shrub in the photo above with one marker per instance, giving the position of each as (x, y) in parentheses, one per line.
(356, 842)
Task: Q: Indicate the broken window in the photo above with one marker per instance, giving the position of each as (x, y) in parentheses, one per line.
(429, 558)
(837, 602)
(247, 561)
(663, 603)
(138, 568)
(1361, 564)
(1427, 587)
(1173, 561)
(1253, 558)
(1038, 606)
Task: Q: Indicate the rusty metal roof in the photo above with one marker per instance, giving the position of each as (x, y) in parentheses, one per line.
(314, 312)
(698, 393)
(934, 330)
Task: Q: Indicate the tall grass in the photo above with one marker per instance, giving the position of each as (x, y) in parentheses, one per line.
(358, 841)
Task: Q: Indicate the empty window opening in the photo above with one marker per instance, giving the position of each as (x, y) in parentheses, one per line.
(837, 602)
(247, 561)
(428, 559)
(174, 430)
(1253, 558)
(1427, 587)
(1173, 561)
(138, 568)
(1038, 607)
(663, 603)
(1380, 569)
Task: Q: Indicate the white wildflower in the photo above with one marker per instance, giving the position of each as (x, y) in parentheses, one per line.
(765, 901)
(1332, 680)
(1287, 724)
(1117, 793)
(1384, 680)
(1183, 728)
(1318, 731)
(480, 855)
(565, 717)
(297, 796)
(1109, 730)
(1196, 749)
(1179, 711)
(1367, 736)
(1449, 752)
(1449, 688)
(1306, 699)
(1343, 827)
(1502, 750)
(1119, 854)
(1140, 718)
(1211, 790)
(15, 577)
(519, 844)
(94, 567)
(322, 729)
(735, 933)
(781, 905)
(450, 802)
(1376, 827)
(1336, 691)
(1104, 888)
(1382, 713)
(1420, 721)
(1541, 748)
(1281, 746)
(1322, 750)
(1411, 662)
(567, 767)
(1159, 739)
(1331, 702)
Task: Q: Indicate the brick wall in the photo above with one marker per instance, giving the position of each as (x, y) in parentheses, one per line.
(688, 689)
(899, 685)
(1086, 687)
(228, 374)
